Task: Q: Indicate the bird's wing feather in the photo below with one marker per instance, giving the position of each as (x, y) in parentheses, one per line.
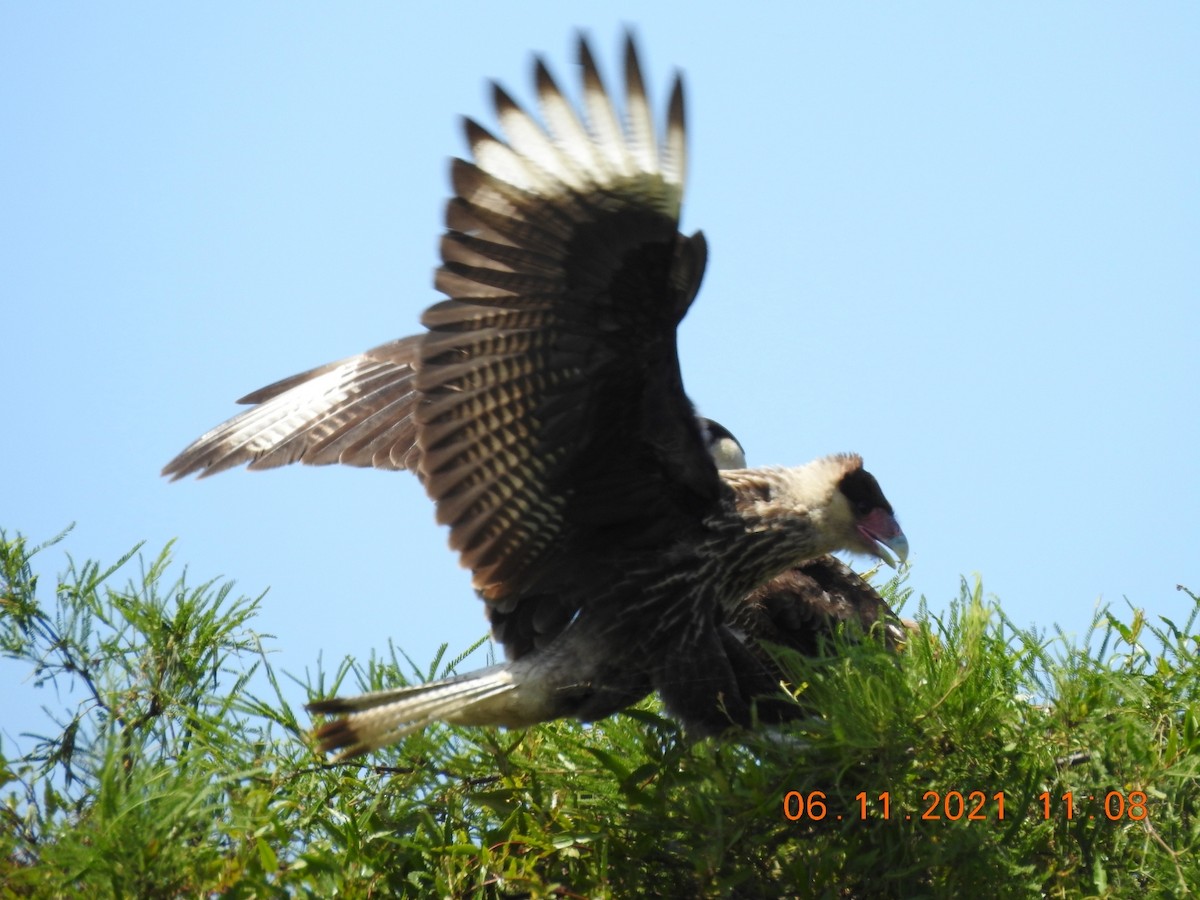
(805, 605)
(544, 407)
(357, 411)
(552, 408)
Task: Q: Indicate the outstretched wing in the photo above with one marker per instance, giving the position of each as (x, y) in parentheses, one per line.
(357, 412)
(544, 407)
(552, 410)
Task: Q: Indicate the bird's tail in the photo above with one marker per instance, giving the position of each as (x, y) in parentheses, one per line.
(370, 721)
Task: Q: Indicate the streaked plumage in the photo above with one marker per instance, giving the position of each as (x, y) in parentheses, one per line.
(801, 608)
(544, 412)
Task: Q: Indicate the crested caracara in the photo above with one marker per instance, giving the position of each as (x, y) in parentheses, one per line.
(544, 411)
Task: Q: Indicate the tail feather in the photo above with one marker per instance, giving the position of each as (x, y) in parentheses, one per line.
(374, 720)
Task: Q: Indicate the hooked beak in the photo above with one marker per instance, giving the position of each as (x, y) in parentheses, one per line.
(882, 532)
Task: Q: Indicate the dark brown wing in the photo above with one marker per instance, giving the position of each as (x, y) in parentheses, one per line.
(357, 412)
(544, 408)
(553, 412)
(805, 605)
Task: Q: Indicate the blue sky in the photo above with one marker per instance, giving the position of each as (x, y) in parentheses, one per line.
(960, 239)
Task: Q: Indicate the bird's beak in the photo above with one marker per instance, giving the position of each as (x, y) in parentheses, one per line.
(882, 533)
(898, 545)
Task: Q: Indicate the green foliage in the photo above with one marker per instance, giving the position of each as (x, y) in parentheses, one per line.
(166, 775)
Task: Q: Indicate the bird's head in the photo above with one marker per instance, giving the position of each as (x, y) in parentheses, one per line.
(723, 447)
(836, 495)
(863, 514)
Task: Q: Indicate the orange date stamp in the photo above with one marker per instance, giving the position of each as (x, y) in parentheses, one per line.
(967, 806)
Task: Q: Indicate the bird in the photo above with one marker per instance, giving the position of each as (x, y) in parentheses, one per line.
(543, 409)
(799, 610)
